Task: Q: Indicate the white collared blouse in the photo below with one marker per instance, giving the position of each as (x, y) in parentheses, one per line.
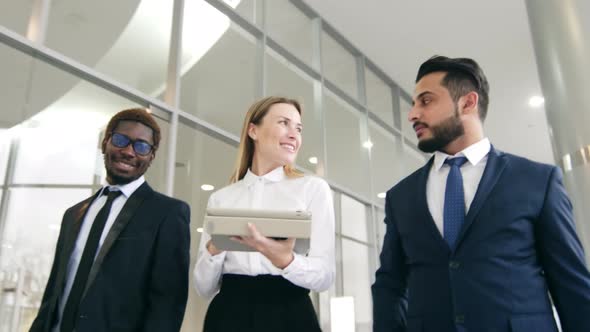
(274, 190)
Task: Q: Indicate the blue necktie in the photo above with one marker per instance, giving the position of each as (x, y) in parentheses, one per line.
(454, 210)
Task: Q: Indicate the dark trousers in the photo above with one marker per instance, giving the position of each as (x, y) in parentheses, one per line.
(259, 304)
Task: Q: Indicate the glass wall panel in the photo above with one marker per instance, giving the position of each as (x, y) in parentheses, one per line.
(218, 67)
(284, 79)
(357, 282)
(339, 65)
(354, 218)
(251, 10)
(413, 159)
(290, 27)
(15, 14)
(5, 143)
(28, 245)
(386, 161)
(347, 151)
(407, 129)
(200, 159)
(379, 99)
(156, 174)
(132, 48)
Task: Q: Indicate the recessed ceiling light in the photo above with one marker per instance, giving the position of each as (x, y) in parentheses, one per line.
(381, 195)
(536, 101)
(313, 160)
(207, 187)
(200, 229)
(368, 144)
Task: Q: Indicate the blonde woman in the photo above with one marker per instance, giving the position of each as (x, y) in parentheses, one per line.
(267, 290)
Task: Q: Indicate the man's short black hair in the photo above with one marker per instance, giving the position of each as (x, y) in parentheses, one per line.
(463, 75)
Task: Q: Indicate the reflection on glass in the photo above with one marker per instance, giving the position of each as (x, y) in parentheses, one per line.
(71, 122)
(386, 160)
(354, 218)
(347, 154)
(379, 99)
(14, 84)
(284, 79)
(132, 48)
(356, 281)
(218, 67)
(28, 246)
(339, 65)
(296, 35)
(200, 159)
(15, 14)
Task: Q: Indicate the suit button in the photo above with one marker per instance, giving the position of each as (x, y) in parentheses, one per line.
(454, 264)
(459, 319)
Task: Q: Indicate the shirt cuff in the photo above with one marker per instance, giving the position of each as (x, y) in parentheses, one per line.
(296, 265)
(217, 259)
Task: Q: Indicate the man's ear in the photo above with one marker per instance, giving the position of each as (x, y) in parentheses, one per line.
(252, 131)
(469, 103)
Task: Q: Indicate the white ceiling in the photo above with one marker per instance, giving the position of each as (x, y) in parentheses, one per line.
(399, 35)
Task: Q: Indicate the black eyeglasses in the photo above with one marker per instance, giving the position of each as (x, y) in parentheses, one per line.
(140, 147)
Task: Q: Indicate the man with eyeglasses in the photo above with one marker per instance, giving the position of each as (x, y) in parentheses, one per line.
(122, 257)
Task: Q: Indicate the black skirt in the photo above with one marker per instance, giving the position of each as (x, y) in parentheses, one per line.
(259, 304)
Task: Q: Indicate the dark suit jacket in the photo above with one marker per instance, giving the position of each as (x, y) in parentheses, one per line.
(139, 279)
(518, 244)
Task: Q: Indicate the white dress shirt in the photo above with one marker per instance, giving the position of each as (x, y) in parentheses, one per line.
(472, 171)
(93, 210)
(274, 190)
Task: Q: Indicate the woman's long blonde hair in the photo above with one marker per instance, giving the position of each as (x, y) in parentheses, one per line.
(246, 149)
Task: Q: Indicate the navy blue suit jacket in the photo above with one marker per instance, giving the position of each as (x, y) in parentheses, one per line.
(517, 246)
(139, 279)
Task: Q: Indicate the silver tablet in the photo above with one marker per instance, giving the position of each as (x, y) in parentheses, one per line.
(223, 223)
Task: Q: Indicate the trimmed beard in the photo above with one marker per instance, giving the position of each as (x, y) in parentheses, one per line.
(119, 180)
(443, 134)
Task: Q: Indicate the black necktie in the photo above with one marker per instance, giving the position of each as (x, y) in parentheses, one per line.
(70, 313)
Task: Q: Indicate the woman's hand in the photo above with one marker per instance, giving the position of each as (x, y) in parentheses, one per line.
(280, 253)
(212, 249)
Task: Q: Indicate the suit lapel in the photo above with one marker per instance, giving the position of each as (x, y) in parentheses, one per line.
(127, 212)
(73, 222)
(494, 168)
(422, 209)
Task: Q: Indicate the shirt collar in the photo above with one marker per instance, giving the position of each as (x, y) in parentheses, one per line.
(474, 153)
(129, 188)
(275, 175)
